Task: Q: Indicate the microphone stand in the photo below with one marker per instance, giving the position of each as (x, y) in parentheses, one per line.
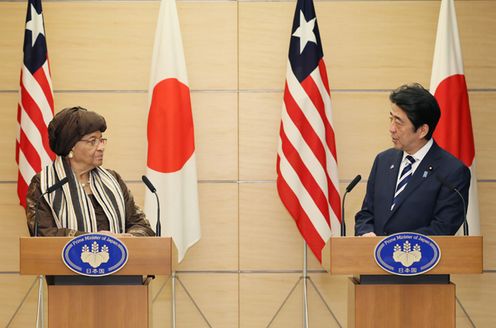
(158, 227)
(349, 188)
(153, 190)
(453, 188)
(49, 190)
(465, 223)
(343, 223)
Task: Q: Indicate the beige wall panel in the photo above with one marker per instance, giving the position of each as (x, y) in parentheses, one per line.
(476, 24)
(8, 128)
(126, 114)
(334, 290)
(264, 29)
(14, 288)
(161, 302)
(12, 18)
(138, 190)
(215, 294)
(218, 245)
(483, 108)
(261, 295)
(108, 45)
(367, 44)
(487, 206)
(477, 294)
(210, 36)
(360, 123)
(259, 121)
(216, 134)
(13, 227)
(268, 236)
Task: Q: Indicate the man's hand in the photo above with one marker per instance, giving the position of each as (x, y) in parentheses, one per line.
(369, 234)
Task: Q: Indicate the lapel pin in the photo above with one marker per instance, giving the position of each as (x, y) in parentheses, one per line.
(391, 167)
(425, 174)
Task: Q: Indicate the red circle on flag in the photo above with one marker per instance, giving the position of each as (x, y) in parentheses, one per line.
(170, 127)
(454, 130)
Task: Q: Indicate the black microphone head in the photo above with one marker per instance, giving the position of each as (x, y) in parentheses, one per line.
(353, 183)
(148, 184)
(57, 185)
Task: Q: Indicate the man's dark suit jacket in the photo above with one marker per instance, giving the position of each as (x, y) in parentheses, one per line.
(425, 205)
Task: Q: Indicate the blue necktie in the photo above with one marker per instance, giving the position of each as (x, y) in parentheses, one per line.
(406, 175)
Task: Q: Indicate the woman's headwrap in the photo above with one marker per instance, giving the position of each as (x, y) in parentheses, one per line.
(70, 125)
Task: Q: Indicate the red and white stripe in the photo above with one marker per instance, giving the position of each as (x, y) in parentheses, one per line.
(307, 168)
(454, 131)
(34, 111)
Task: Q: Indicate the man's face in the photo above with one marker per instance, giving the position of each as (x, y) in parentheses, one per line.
(403, 132)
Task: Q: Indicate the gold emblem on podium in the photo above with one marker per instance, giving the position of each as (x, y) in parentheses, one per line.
(96, 256)
(405, 255)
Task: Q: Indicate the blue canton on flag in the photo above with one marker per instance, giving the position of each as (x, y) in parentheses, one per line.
(35, 47)
(305, 49)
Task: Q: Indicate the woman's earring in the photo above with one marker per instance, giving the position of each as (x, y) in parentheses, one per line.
(71, 154)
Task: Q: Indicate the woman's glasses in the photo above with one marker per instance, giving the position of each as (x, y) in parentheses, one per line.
(95, 141)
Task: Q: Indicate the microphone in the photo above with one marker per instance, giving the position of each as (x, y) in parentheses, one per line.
(349, 188)
(453, 188)
(50, 189)
(149, 185)
(353, 183)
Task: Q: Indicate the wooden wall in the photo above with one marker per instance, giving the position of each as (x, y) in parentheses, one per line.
(236, 52)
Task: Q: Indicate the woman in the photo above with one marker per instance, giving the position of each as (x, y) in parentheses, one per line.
(94, 199)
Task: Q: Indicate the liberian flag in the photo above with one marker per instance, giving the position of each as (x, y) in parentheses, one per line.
(171, 162)
(35, 107)
(307, 170)
(454, 130)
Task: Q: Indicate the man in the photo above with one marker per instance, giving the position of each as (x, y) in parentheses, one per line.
(410, 185)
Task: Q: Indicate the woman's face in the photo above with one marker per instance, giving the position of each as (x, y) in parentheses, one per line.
(88, 152)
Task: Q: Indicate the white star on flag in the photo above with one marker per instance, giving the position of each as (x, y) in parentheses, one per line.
(35, 25)
(305, 31)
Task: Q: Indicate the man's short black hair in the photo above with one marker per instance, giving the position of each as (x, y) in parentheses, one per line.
(419, 105)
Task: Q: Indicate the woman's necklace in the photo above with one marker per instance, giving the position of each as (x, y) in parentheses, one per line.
(84, 184)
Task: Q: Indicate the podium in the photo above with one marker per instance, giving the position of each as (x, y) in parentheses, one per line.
(118, 300)
(379, 299)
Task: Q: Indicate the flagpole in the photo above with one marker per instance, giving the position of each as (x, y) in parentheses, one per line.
(40, 322)
(305, 287)
(173, 305)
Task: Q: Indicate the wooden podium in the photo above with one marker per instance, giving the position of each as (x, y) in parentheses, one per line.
(119, 300)
(379, 299)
